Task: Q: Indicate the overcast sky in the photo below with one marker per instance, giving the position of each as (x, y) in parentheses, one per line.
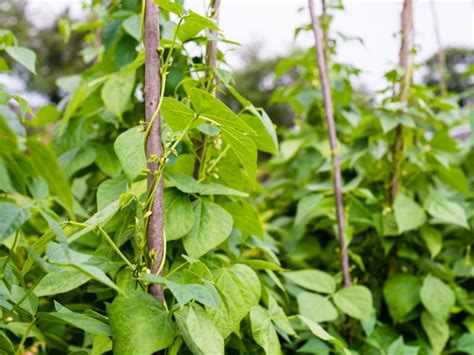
(271, 24)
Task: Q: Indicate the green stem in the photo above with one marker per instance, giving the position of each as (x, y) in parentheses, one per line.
(115, 247)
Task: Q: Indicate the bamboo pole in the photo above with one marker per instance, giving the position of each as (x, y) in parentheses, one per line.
(336, 169)
(154, 147)
(404, 61)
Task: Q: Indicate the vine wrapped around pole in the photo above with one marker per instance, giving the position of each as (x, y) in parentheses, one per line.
(404, 61)
(328, 108)
(154, 147)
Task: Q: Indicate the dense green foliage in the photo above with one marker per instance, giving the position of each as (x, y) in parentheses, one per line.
(250, 267)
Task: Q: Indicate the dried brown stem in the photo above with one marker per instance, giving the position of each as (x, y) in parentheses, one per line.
(328, 108)
(404, 61)
(154, 147)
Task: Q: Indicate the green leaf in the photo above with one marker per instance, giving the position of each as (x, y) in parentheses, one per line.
(46, 165)
(129, 147)
(316, 329)
(244, 148)
(24, 56)
(193, 25)
(185, 293)
(61, 281)
(110, 191)
(78, 320)
(402, 295)
(408, 214)
(454, 177)
(240, 288)
(355, 301)
(178, 214)
(433, 240)
(465, 343)
(133, 26)
(12, 218)
(316, 307)
(177, 114)
(212, 226)
(47, 114)
(98, 275)
(116, 92)
(199, 332)
(6, 346)
(139, 324)
(208, 106)
(263, 331)
(279, 317)
(437, 297)
(265, 139)
(314, 280)
(245, 217)
(437, 331)
(170, 6)
(444, 210)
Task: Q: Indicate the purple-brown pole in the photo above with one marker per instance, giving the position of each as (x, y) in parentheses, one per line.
(336, 168)
(404, 61)
(154, 146)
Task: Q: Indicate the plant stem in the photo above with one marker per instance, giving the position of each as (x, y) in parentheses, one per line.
(211, 82)
(336, 169)
(397, 150)
(153, 140)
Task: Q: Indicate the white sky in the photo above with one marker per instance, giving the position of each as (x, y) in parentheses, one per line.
(271, 23)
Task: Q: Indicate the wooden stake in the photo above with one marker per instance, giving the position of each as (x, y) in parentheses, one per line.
(154, 146)
(336, 169)
(404, 60)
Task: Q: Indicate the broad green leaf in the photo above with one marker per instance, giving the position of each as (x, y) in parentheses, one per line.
(116, 92)
(185, 293)
(47, 114)
(178, 214)
(107, 160)
(316, 329)
(24, 56)
(355, 301)
(265, 139)
(314, 280)
(98, 275)
(171, 6)
(437, 331)
(244, 148)
(139, 323)
(129, 147)
(78, 320)
(61, 281)
(454, 177)
(316, 307)
(263, 331)
(133, 26)
(240, 288)
(445, 211)
(193, 25)
(279, 317)
(212, 226)
(408, 214)
(208, 106)
(178, 115)
(101, 345)
(46, 165)
(12, 218)
(199, 332)
(465, 343)
(245, 217)
(402, 295)
(308, 207)
(110, 191)
(433, 240)
(437, 297)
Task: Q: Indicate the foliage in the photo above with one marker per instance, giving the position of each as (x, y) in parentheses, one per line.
(248, 269)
